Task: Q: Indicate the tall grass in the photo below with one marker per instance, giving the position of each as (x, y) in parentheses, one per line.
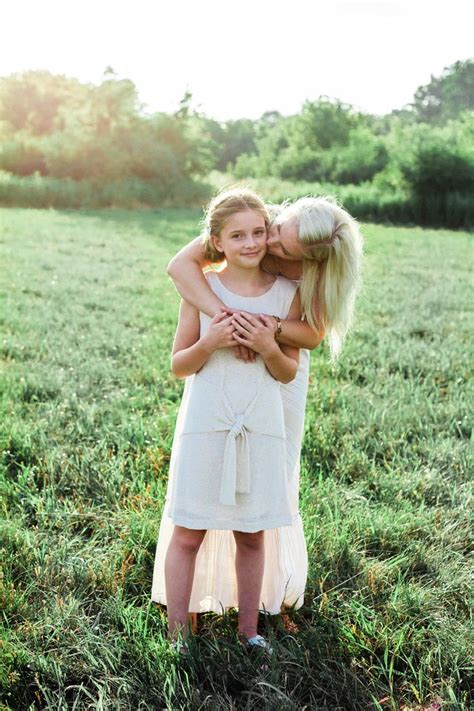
(369, 202)
(87, 414)
(37, 191)
(366, 201)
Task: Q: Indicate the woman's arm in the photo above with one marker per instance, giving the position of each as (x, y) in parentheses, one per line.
(185, 269)
(298, 333)
(294, 332)
(287, 350)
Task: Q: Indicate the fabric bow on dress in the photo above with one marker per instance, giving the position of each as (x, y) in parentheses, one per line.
(236, 467)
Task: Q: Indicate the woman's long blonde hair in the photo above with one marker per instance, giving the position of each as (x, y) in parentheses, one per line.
(332, 247)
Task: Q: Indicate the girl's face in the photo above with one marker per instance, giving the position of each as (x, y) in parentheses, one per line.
(283, 241)
(243, 239)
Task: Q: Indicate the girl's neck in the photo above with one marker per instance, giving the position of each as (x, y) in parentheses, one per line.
(246, 282)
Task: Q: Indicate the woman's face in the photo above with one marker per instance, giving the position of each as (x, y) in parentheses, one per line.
(283, 241)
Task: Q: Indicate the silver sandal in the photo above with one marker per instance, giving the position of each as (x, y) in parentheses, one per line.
(257, 641)
(178, 646)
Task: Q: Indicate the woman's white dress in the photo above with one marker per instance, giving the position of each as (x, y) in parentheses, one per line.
(258, 485)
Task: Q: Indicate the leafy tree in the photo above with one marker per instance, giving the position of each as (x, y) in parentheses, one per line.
(446, 96)
(439, 168)
(239, 137)
(266, 122)
(323, 123)
(361, 159)
(32, 101)
(268, 148)
(65, 129)
(22, 155)
(301, 164)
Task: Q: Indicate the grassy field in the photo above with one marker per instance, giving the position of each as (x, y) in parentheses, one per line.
(87, 416)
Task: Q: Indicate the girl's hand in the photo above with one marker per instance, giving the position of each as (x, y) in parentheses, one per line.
(219, 333)
(241, 352)
(255, 332)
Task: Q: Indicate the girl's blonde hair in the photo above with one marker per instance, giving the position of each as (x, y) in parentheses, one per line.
(332, 247)
(221, 208)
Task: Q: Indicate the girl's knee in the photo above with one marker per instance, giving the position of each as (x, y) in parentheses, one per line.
(188, 538)
(253, 540)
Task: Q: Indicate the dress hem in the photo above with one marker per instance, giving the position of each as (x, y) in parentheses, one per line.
(201, 524)
(219, 609)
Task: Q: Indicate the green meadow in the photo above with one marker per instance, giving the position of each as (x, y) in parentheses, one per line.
(88, 407)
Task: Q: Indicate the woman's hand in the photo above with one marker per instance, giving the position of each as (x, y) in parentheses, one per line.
(255, 332)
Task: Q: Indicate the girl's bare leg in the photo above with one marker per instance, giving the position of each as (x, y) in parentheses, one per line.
(179, 574)
(249, 565)
(193, 619)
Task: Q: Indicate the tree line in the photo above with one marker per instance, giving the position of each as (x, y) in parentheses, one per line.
(75, 144)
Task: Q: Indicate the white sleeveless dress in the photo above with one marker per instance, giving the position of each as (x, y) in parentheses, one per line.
(235, 466)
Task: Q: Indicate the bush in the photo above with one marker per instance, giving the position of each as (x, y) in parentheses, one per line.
(305, 164)
(441, 178)
(359, 161)
(440, 169)
(22, 156)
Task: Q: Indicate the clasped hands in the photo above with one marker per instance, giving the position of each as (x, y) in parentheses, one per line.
(252, 333)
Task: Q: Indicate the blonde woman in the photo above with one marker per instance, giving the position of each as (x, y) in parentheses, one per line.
(315, 242)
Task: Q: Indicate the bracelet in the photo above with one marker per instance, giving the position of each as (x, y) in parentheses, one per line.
(278, 331)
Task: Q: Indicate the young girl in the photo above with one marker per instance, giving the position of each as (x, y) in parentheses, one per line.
(228, 467)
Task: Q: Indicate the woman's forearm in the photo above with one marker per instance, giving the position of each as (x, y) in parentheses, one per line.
(299, 334)
(193, 287)
(185, 269)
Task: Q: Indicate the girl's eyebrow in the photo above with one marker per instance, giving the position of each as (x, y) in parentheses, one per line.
(237, 232)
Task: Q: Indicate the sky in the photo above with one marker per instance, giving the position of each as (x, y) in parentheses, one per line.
(242, 58)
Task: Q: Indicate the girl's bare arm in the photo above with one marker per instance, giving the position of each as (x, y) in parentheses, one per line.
(189, 353)
(185, 269)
